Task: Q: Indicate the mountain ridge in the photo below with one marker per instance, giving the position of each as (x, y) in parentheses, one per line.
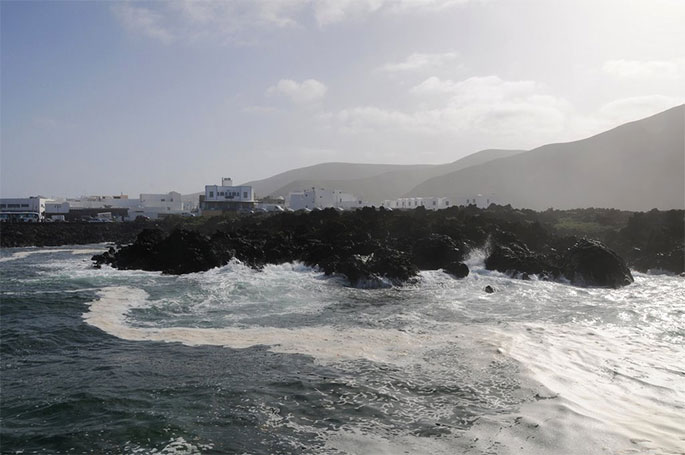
(638, 165)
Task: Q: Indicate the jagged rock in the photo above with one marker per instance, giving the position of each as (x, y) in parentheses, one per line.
(457, 269)
(489, 289)
(181, 252)
(436, 252)
(591, 263)
(516, 258)
(386, 263)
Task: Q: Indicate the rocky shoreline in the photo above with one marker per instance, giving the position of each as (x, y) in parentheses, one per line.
(375, 246)
(371, 248)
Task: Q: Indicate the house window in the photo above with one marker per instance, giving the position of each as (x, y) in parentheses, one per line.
(24, 205)
(245, 194)
(211, 194)
(447, 203)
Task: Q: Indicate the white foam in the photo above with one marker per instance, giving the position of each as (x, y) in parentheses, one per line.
(17, 255)
(606, 379)
(324, 343)
(175, 446)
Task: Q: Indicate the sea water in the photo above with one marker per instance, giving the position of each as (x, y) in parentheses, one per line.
(288, 360)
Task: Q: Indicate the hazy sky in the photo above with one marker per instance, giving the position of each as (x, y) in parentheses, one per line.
(110, 97)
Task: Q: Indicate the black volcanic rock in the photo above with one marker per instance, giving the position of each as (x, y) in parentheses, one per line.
(515, 258)
(436, 252)
(591, 263)
(368, 245)
(457, 269)
(393, 265)
(180, 252)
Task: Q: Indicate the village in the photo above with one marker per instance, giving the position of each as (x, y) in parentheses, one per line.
(216, 200)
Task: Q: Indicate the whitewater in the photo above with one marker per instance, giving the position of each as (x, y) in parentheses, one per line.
(288, 360)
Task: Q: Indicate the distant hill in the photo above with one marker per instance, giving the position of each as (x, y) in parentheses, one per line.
(374, 186)
(636, 166)
(323, 172)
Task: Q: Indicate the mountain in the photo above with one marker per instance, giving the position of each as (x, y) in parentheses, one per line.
(370, 182)
(323, 172)
(637, 166)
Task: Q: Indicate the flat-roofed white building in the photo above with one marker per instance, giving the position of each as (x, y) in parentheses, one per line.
(226, 197)
(429, 203)
(321, 198)
(30, 205)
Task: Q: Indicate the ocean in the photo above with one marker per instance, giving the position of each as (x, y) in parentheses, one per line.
(286, 360)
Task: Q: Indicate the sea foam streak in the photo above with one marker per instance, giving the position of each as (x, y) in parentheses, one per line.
(612, 376)
(323, 343)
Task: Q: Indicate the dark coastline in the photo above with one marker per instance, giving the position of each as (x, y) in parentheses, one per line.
(651, 240)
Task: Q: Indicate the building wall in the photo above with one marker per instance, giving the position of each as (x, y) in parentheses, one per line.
(229, 193)
(165, 203)
(322, 198)
(57, 208)
(29, 204)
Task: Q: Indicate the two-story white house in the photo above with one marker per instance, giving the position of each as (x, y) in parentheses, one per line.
(226, 197)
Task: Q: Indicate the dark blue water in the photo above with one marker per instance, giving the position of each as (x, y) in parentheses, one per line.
(173, 375)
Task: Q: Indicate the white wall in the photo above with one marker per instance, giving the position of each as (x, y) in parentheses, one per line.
(322, 198)
(169, 202)
(229, 193)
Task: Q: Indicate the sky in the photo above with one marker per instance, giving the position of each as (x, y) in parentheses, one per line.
(149, 97)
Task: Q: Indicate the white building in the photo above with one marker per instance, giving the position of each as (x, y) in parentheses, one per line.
(100, 202)
(33, 207)
(437, 203)
(322, 198)
(429, 203)
(147, 204)
(226, 197)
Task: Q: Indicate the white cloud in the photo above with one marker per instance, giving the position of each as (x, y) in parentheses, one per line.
(482, 88)
(307, 92)
(515, 109)
(240, 21)
(143, 20)
(637, 107)
(419, 61)
(646, 69)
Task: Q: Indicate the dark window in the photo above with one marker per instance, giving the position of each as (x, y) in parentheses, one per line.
(211, 194)
(245, 194)
(13, 206)
(24, 205)
(4, 206)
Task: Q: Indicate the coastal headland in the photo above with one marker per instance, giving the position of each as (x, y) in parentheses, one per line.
(584, 247)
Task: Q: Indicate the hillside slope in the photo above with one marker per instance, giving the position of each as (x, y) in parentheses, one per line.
(392, 184)
(636, 166)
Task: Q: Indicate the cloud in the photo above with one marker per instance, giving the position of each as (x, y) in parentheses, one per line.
(485, 104)
(418, 61)
(307, 92)
(242, 21)
(637, 107)
(143, 20)
(646, 69)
